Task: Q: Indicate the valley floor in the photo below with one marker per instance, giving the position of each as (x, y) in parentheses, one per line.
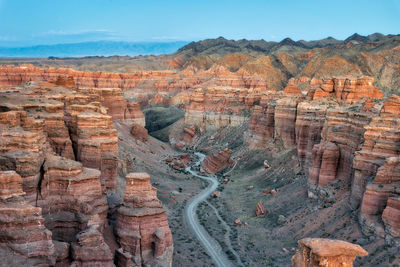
(269, 240)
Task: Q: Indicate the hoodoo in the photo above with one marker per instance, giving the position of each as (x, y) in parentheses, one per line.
(141, 227)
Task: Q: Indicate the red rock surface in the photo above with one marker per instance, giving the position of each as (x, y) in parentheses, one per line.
(310, 119)
(262, 126)
(217, 161)
(316, 252)
(19, 75)
(95, 142)
(341, 136)
(325, 158)
(24, 240)
(391, 216)
(216, 107)
(118, 107)
(69, 196)
(380, 200)
(260, 209)
(22, 148)
(292, 88)
(90, 249)
(141, 227)
(381, 141)
(285, 121)
(349, 89)
(190, 133)
(139, 132)
(41, 124)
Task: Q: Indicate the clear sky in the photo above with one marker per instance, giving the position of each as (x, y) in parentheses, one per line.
(27, 22)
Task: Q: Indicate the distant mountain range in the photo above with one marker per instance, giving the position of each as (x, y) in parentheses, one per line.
(98, 48)
(219, 46)
(222, 46)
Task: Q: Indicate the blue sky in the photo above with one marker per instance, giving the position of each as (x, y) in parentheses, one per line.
(28, 22)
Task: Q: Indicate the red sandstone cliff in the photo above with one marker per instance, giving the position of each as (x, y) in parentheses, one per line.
(217, 161)
(141, 227)
(24, 238)
(43, 128)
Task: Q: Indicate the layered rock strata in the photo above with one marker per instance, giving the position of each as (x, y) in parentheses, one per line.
(90, 249)
(216, 161)
(118, 107)
(381, 137)
(71, 204)
(216, 107)
(24, 239)
(380, 201)
(22, 148)
(262, 126)
(95, 142)
(316, 252)
(348, 89)
(310, 119)
(141, 226)
(285, 121)
(342, 135)
(69, 196)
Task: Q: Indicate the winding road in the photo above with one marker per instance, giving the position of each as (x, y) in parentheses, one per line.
(210, 244)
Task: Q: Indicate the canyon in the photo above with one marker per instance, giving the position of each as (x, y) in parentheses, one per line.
(304, 142)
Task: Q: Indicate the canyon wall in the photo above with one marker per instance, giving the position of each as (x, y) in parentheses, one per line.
(343, 132)
(58, 165)
(340, 127)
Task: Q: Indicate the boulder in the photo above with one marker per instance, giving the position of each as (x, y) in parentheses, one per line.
(315, 252)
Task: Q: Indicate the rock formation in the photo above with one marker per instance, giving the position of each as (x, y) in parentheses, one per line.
(260, 209)
(285, 121)
(336, 123)
(24, 239)
(217, 161)
(95, 142)
(325, 158)
(69, 196)
(139, 132)
(342, 135)
(22, 148)
(309, 122)
(141, 227)
(216, 107)
(262, 126)
(380, 201)
(190, 133)
(44, 128)
(118, 107)
(316, 252)
(91, 250)
(349, 89)
(381, 141)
